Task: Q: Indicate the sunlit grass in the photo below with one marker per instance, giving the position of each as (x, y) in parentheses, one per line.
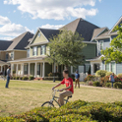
(23, 96)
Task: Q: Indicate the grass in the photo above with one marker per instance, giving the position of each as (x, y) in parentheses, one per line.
(23, 96)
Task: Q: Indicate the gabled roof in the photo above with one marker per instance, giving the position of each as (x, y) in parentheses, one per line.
(49, 33)
(82, 27)
(116, 24)
(104, 35)
(4, 44)
(21, 41)
(98, 32)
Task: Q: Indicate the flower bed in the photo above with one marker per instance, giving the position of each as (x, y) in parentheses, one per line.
(72, 112)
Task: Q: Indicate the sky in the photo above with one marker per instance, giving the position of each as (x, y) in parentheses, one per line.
(19, 16)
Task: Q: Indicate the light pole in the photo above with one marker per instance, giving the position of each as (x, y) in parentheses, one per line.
(54, 68)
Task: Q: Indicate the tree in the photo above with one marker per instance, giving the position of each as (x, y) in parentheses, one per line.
(66, 49)
(114, 53)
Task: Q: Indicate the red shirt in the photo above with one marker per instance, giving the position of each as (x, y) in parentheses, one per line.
(68, 82)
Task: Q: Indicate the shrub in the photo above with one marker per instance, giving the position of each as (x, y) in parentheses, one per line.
(90, 83)
(25, 78)
(90, 77)
(108, 85)
(119, 75)
(31, 78)
(101, 73)
(109, 73)
(118, 85)
(50, 74)
(77, 111)
(96, 83)
(17, 78)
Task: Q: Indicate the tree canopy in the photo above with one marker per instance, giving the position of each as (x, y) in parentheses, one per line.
(114, 52)
(66, 49)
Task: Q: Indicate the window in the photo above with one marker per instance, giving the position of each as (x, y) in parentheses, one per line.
(107, 67)
(35, 51)
(6, 56)
(113, 67)
(12, 55)
(101, 45)
(43, 50)
(28, 53)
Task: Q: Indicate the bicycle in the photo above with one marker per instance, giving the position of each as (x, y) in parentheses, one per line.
(50, 103)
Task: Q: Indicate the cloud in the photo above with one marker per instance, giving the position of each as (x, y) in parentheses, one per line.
(6, 38)
(4, 20)
(10, 29)
(48, 26)
(100, 0)
(55, 9)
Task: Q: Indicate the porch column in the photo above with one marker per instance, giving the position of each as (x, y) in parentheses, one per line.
(28, 69)
(92, 69)
(11, 69)
(71, 69)
(1, 68)
(22, 69)
(40, 69)
(35, 69)
(17, 69)
(43, 70)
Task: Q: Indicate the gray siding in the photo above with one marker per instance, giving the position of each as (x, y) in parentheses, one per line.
(118, 68)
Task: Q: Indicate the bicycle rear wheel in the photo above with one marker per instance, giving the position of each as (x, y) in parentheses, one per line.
(47, 104)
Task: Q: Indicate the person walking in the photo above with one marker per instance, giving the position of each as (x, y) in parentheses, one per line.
(8, 76)
(77, 76)
(111, 79)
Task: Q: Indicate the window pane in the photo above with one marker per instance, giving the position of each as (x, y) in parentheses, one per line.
(43, 50)
(113, 68)
(107, 67)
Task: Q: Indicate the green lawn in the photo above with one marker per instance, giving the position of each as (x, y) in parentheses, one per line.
(23, 96)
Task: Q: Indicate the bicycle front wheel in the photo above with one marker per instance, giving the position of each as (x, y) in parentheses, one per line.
(47, 104)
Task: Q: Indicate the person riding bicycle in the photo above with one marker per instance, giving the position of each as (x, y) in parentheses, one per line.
(68, 91)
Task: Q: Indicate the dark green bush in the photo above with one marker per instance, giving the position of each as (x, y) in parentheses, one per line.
(31, 78)
(17, 78)
(25, 78)
(78, 111)
(96, 83)
(108, 85)
(118, 85)
(101, 73)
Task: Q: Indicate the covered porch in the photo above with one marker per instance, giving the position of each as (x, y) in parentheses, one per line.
(36, 67)
(96, 64)
(3, 67)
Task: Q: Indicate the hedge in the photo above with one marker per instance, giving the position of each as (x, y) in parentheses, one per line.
(72, 112)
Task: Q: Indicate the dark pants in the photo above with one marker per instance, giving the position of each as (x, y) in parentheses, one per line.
(7, 83)
(112, 84)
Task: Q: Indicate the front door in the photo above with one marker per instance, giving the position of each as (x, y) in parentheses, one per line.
(96, 67)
